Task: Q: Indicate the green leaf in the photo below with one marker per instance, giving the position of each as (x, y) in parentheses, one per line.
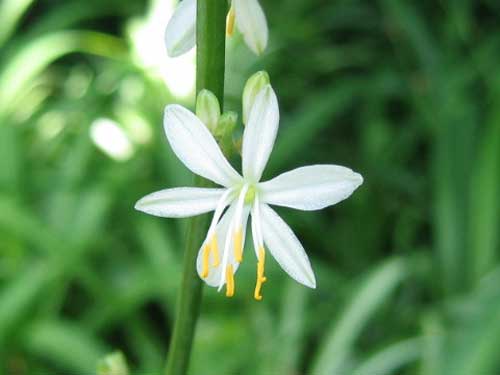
(373, 292)
(391, 359)
(71, 347)
(39, 53)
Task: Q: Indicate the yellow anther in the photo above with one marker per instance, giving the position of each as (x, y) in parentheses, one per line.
(229, 281)
(238, 245)
(215, 250)
(206, 254)
(230, 22)
(261, 279)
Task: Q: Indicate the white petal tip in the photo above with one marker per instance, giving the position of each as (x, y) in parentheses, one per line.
(251, 21)
(173, 52)
(171, 108)
(358, 179)
(259, 50)
(142, 206)
(180, 34)
(176, 50)
(138, 206)
(311, 283)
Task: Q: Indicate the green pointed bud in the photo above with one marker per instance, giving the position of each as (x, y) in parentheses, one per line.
(113, 364)
(252, 88)
(224, 132)
(226, 124)
(208, 109)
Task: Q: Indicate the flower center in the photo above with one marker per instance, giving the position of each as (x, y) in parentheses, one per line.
(250, 195)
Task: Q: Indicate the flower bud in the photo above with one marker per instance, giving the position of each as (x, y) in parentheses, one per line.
(253, 86)
(226, 124)
(208, 109)
(113, 364)
(224, 132)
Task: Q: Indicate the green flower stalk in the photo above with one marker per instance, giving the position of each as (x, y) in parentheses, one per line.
(210, 57)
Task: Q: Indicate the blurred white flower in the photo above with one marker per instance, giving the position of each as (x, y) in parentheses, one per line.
(306, 188)
(180, 35)
(150, 52)
(111, 139)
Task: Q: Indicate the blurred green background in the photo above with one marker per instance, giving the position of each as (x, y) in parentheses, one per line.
(408, 269)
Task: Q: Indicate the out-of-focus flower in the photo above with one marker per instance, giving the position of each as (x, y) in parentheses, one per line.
(247, 15)
(306, 188)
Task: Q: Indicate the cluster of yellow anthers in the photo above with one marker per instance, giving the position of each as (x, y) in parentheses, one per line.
(212, 248)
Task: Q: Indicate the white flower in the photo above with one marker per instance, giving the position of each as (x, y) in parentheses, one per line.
(306, 188)
(180, 35)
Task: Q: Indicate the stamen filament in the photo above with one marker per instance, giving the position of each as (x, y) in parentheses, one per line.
(229, 281)
(238, 245)
(215, 250)
(230, 21)
(261, 279)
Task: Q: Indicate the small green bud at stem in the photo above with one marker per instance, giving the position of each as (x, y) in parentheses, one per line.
(113, 364)
(226, 123)
(208, 109)
(224, 131)
(252, 88)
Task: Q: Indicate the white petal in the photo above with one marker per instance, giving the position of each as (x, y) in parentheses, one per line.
(256, 225)
(285, 247)
(311, 188)
(195, 146)
(214, 273)
(180, 35)
(180, 202)
(251, 21)
(260, 133)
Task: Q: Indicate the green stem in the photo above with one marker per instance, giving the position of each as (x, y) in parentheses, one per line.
(211, 46)
(210, 35)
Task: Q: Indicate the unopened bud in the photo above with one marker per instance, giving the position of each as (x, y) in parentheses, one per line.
(224, 132)
(226, 124)
(113, 364)
(252, 88)
(208, 109)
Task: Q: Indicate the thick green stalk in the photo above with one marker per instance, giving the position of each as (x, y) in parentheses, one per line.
(211, 46)
(210, 35)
